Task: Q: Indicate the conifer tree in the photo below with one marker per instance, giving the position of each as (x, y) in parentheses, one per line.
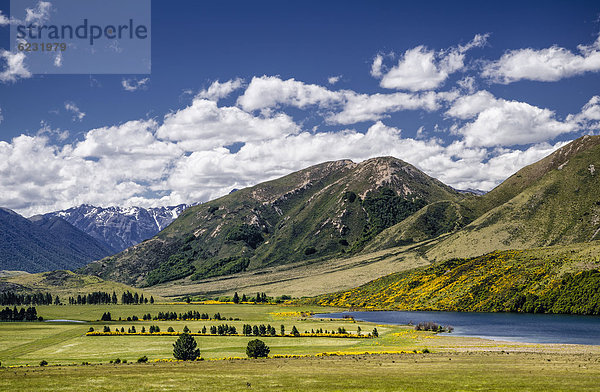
(185, 348)
(295, 331)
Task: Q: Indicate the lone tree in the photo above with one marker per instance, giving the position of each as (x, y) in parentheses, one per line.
(257, 349)
(185, 348)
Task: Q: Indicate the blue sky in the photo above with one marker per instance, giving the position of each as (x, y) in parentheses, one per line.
(469, 92)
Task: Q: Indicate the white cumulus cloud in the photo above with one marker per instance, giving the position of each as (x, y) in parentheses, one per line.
(270, 91)
(340, 107)
(365, 107)
(39, 14)
(4, 21)
(421, 68)
(546, 65)
(499, 122)
(218, 90)
(204, 125)
(334, 79)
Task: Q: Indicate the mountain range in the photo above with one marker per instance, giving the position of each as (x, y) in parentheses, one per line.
(541, 225)
(339, 209)
(70, 239)
(533, 247)
(44, 243)
(324, 210)
(120, 227)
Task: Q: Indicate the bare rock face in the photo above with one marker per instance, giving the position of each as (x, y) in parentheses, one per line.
(120, 227)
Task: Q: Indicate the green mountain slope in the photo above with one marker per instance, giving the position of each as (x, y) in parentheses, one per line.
(315, 213)
(44, 244)
(554, 201)
(534, 248)
(510, 215)
(429, 222)
(559, 279)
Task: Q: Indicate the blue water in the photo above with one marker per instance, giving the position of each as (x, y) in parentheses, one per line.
(64, 321)
(526, 328)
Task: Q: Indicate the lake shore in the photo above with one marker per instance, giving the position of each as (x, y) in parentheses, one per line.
(501, 327)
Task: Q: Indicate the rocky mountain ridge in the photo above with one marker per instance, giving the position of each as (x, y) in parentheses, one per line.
(120, 227)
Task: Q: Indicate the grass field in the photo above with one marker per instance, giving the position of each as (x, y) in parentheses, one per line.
(456, 363)
(407, 372)
(66, 343)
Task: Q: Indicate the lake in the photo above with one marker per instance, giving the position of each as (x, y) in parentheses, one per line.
(518, 327)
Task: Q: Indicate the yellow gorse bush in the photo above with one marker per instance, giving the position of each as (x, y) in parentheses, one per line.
(303, 335)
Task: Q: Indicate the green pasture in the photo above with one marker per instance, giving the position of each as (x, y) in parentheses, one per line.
(406, 372)
(27, 343)
(76, 361)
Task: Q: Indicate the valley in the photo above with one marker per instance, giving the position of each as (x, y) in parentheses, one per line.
(300, 196)
(399, 356)
(378, 235)
(300, 279)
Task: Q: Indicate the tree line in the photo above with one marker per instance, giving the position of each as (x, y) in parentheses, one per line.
(104, 298)
(191, 315)
(260, 298)
(22, 314)
(41, 298)
(95, 298)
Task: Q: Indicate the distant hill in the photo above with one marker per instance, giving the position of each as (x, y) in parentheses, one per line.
(44, 244)
(324, 210)
(64, 284)
(472, 191)
(120, 227)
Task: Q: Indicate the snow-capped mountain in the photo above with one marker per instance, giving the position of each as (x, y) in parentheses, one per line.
(120, 227)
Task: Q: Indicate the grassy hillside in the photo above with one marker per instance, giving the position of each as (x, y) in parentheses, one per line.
(560, 205)
(530, 174)
(560, 279)
(322, 211)
(431, 221)
(552, 201)
(300, 279)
